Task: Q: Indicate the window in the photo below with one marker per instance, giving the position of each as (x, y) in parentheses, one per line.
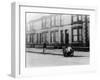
(52, 37)
(75, 18)
(88, 18)
(47, 22)
(37, 38)
(77, 34)
(57, 19)
(41, 37)
(43, 23)
(28, 38)
(83, 18)
(65, 19)
(80, 34)
(32, 38)
(56, 36)
(52, 20)
(46, 36)
(75, 38)
(79, 18)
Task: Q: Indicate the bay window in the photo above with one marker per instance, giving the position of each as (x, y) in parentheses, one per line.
(77, 34)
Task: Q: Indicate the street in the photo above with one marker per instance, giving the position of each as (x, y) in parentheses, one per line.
(35, 58)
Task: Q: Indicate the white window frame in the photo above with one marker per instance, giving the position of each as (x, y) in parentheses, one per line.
(18, 68)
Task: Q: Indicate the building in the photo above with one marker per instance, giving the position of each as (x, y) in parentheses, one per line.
(60, 29)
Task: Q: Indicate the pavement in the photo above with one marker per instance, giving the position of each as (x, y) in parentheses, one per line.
(54, 57)
(55, 52)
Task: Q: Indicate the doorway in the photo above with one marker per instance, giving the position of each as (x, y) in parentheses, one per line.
(61, 36)
(66, 37)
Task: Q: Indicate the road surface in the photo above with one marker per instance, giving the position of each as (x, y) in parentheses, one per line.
(35, 58)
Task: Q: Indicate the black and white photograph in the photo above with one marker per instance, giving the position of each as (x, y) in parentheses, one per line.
(52, 40)
(56, 39)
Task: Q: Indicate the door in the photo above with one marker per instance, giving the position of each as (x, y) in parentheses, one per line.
(61, 36)
(66, 37)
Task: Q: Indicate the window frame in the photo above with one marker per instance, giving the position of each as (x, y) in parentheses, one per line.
(78, 40)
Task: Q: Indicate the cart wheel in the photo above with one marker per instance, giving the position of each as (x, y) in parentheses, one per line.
(64, 54)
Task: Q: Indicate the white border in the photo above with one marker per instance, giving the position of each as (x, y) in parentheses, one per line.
(19, 19)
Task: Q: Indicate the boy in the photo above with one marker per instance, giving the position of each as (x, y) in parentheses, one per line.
(44, 47)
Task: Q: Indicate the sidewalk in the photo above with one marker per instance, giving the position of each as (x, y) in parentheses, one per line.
(56, 52)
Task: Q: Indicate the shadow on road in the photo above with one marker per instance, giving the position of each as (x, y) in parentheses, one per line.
(53, 54)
